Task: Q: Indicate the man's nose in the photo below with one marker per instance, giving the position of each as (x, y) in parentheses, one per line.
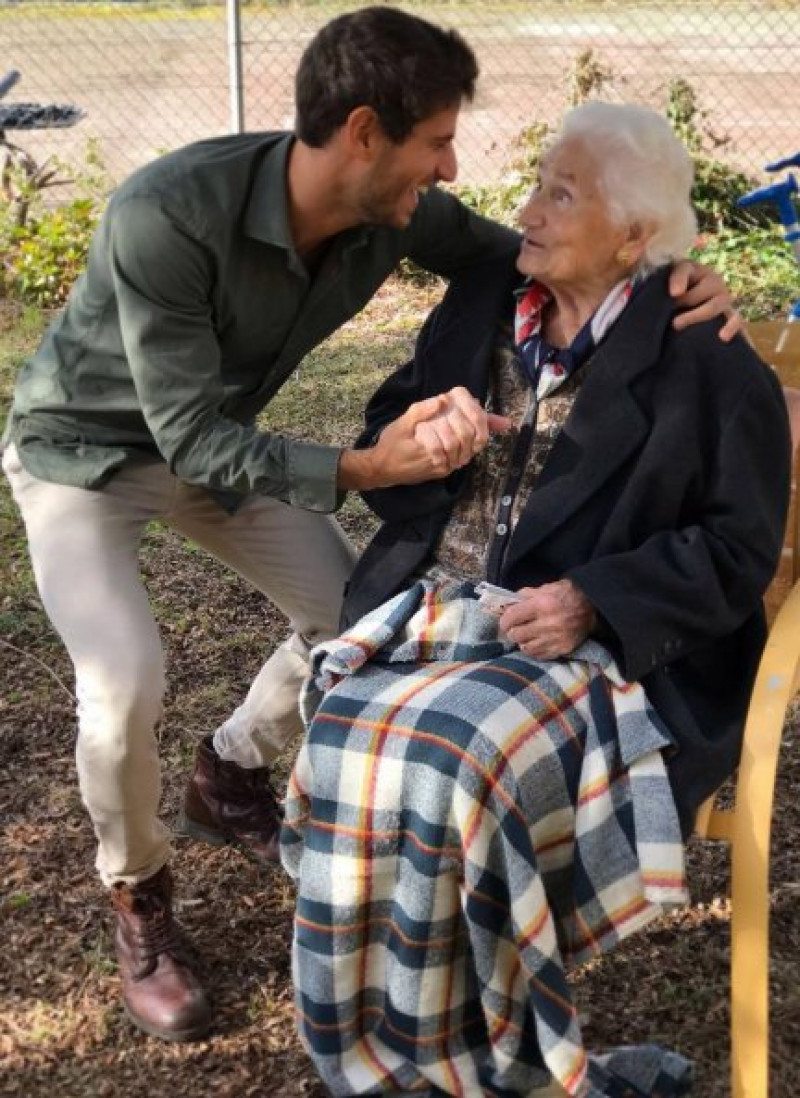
(447, 167)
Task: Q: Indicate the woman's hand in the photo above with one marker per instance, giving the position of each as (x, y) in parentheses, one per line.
(702, 294)
(549, 621)
(459, 430)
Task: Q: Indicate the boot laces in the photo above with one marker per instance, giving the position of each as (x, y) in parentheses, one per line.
(156, 932)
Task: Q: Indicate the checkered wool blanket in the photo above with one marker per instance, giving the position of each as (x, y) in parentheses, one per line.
(463, 823)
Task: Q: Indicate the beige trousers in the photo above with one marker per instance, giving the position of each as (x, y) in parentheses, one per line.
(84, 548)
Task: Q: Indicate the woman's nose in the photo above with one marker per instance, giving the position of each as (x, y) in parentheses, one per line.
(530, 214)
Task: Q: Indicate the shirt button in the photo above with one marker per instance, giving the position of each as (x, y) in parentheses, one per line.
(501, 528)
(506, 501)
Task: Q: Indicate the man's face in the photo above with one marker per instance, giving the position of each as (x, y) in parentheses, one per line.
(390, 191)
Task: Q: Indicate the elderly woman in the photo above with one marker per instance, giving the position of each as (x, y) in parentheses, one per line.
(496, 787)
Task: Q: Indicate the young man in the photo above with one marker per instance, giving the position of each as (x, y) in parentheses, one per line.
(213, 272)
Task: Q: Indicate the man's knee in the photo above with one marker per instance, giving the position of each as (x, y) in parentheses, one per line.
(120, 696)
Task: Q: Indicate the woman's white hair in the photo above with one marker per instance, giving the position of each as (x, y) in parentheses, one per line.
(645, 173)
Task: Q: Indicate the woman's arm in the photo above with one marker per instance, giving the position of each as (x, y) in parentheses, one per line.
(680, 588)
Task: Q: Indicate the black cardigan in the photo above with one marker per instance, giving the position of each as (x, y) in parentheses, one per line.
(664, 499)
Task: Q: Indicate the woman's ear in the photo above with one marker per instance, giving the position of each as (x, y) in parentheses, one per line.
(637, 237)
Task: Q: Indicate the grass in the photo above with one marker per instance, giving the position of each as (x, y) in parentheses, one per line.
(63, 1030)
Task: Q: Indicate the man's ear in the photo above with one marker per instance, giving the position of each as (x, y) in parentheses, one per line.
(363, 133)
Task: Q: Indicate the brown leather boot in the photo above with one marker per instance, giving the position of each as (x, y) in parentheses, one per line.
(159, 990)
(228, 803)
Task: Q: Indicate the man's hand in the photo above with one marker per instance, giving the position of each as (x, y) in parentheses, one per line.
(456, 428)
(549, 621)
(703, 293)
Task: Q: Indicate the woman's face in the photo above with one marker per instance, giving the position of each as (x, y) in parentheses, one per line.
(569, 240)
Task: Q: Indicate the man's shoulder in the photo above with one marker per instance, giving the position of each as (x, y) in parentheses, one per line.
(206, 172)
(494, 278)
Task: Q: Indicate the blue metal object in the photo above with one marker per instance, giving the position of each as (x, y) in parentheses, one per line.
(779, 165)
(20, 175)
(781, 195)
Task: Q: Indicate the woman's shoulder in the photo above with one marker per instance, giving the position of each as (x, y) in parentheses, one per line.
(726, 382)
(700, 348)
(689, 356)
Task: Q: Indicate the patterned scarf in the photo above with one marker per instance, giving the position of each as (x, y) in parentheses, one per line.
(546, 366)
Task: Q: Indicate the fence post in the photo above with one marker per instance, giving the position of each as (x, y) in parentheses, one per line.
(235, 66)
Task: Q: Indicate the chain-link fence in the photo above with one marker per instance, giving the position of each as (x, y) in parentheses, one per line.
(152, 76)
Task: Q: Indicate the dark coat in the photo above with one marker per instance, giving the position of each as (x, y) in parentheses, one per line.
(664, 499)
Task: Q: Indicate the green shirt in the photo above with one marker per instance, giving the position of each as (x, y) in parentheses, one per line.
(195, 308)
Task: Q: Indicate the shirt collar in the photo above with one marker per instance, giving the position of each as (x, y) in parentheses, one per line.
(267, 215)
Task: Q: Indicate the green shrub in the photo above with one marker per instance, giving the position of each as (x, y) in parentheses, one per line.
(758, 268)
(717, 186)
(43, 258)
(40, 259)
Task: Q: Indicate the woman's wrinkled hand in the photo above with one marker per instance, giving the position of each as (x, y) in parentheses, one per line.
(549, 621)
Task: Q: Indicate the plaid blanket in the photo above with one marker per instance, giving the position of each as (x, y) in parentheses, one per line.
(463, 823)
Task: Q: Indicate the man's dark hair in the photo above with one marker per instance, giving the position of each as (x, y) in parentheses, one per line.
(403, 67)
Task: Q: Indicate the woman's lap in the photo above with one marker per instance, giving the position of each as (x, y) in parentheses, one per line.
(460, 832)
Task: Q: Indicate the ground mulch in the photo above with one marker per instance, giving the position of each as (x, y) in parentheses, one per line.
(62, 1030)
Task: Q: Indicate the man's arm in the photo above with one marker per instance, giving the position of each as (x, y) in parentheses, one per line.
(446, 236)
(163, 281)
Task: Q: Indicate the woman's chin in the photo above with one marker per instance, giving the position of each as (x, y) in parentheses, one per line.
(529, 266)
(525, 267)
